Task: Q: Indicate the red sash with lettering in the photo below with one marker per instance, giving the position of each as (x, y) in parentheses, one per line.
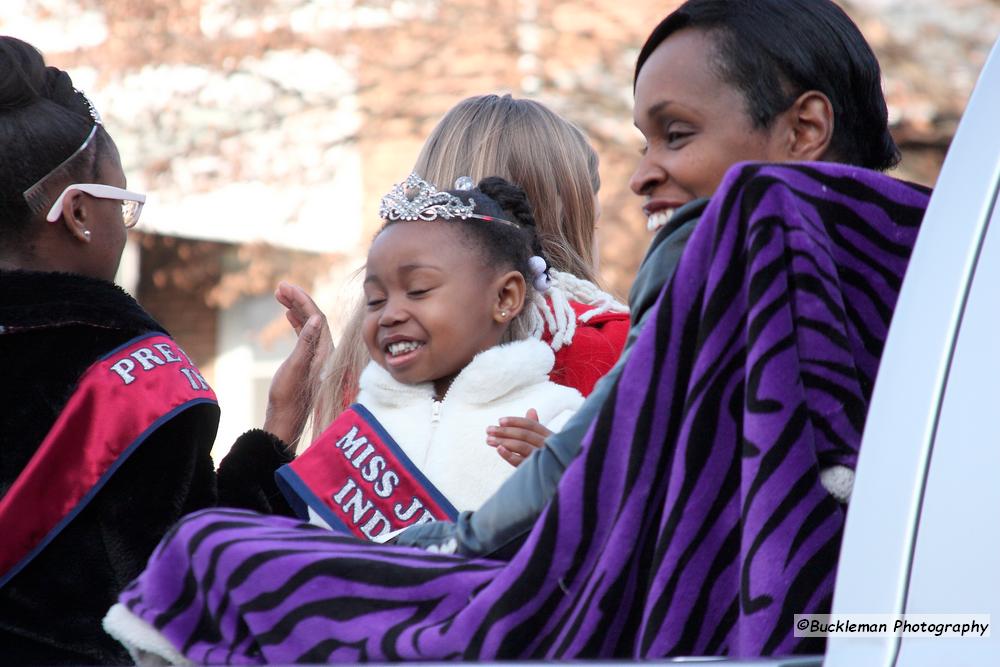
(357, 479)
(118, 402)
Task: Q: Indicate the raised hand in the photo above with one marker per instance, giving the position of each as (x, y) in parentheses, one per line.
(291, 393)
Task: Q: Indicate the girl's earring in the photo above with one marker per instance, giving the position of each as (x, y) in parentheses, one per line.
(86, 234)
(503, 314)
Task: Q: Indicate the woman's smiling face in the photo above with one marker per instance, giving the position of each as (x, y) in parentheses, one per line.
(695, 125)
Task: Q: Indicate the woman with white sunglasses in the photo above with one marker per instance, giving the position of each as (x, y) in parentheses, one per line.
(105, 424)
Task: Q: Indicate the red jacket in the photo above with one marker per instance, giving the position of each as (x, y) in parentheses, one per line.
(595, 348)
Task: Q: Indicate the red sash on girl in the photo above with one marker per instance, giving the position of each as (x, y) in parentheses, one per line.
(118, 402)
(357, 479)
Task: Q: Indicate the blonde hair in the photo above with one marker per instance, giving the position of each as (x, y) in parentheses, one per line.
(528, 144)
(531, 146)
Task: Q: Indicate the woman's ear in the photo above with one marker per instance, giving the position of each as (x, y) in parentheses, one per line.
(511, 291)
(76, 216)
(810, 124)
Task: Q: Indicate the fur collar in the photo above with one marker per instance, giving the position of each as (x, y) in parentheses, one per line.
(490, 375)
(37, 300)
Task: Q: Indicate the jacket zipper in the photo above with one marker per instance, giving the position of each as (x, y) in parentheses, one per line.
(435, 418)
(436, 408)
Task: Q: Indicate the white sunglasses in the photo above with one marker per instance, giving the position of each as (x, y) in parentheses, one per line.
(131, 201)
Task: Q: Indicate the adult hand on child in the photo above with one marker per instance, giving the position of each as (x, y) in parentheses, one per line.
(516, 437)
(290, 394)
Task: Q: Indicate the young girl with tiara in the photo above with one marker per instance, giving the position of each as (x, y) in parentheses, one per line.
(447, 287)
(531, 146)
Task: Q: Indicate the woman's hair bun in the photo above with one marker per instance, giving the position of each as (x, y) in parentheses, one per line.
(25, 79)
(22, 73)
(510, 198)
(43, 121)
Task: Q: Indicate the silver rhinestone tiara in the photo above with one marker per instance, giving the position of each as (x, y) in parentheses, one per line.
(416, 199)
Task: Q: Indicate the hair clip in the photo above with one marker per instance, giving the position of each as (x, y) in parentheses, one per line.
(539, 277)
(94, 114)
(464, 183)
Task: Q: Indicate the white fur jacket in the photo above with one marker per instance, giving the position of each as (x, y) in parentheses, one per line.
(447, 439)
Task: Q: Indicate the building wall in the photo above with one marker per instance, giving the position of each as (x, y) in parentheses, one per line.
(181, 306)
(285, 120)
(265, 131)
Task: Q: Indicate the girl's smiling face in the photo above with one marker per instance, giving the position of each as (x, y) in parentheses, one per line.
(432, 304)
(695, 125)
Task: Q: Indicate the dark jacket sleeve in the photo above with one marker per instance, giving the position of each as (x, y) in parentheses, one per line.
(509, 514)
(246, 474)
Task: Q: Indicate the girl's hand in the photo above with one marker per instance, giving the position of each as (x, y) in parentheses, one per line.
(516, 437)
(292, 387)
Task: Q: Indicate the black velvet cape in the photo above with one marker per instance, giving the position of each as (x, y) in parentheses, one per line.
(52, 328)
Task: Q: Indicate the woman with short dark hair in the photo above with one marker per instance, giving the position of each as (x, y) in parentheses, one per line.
(773, 51)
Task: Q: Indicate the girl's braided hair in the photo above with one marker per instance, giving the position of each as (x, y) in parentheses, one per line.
(505, 243)
(558, 316)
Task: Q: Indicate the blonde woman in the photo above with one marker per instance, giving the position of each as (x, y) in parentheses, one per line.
(550, 158)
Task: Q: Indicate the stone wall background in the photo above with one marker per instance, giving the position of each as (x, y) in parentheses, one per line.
(282, 121)
(265, 131)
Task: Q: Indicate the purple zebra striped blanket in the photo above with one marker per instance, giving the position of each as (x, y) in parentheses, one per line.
(693, 522)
